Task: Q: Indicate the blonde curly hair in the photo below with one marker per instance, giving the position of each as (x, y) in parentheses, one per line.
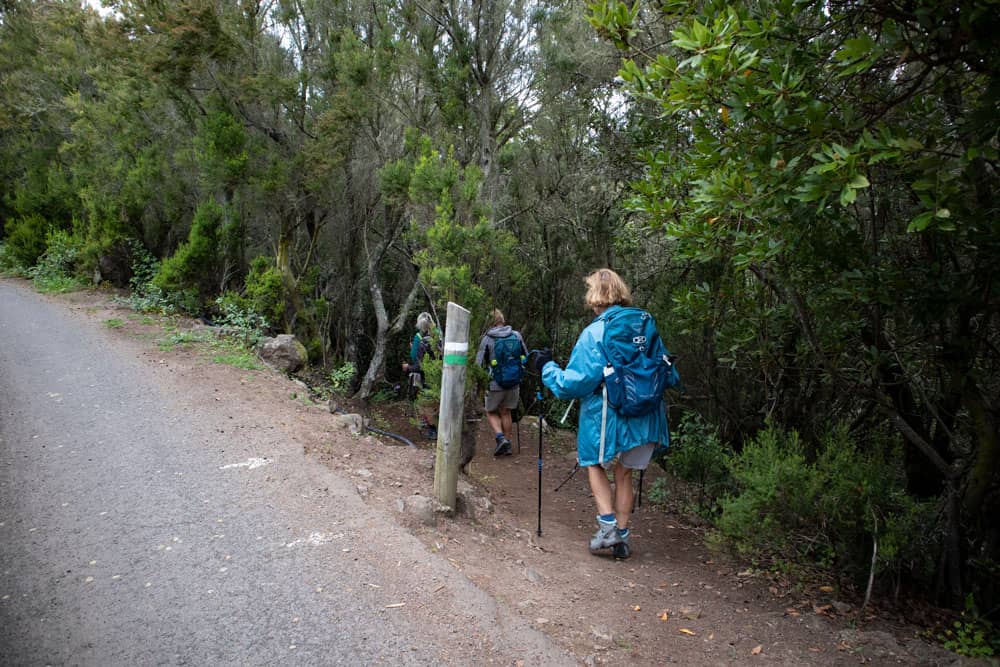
(605, 288)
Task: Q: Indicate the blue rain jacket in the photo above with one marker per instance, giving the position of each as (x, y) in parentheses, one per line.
(582, 380)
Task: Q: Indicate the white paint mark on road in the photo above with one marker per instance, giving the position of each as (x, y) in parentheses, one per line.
(316, 539)
(249, 464)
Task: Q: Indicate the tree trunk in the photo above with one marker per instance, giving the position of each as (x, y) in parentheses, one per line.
(376, 367)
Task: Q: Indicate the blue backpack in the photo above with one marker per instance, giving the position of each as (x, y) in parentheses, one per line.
(639, 367)
(507, 366)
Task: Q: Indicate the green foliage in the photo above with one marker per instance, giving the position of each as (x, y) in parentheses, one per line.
(264, 290)
(342, 377)
(25, 239)
(240, 319)
(972, 635)
(55, 269)
(195, 267)
(659, 493)
(114, 323)
(144, 267)
(697, 456)
(824, 512)
(241, 359)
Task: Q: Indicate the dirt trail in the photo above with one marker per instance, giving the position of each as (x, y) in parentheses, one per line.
(673, 602)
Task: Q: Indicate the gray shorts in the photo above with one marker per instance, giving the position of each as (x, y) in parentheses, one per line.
(503, 398)
(636, 458)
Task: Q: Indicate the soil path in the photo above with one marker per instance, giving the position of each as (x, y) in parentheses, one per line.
(674, 602)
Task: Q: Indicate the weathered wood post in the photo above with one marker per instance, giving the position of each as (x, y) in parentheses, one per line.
(451, 411)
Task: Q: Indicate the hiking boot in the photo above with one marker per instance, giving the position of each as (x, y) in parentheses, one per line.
(621, 550)
(606, 536)
(503, 447)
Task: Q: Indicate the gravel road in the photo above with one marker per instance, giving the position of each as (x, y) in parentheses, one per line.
(135, 528)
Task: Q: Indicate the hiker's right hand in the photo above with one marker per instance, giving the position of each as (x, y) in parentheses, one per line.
(542, 357)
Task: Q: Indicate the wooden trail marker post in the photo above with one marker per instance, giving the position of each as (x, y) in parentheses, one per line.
(452, 407)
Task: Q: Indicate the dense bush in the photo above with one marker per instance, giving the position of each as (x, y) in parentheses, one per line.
(698, 457)
(25, 240)
(829, 511)
(239, 316)
(195, 267)
(264, 292)
(56, 269)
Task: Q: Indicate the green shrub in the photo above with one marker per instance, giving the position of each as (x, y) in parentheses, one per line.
(772, 511)
(342, 376)
(697, 456)
(240, 317)
(196, 264)
(972, 635)
(54, 271)
(825, 513)
(25, 239)
(264, 290)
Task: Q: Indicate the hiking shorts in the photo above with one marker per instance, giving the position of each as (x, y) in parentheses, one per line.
(636, 458)
(503, 398)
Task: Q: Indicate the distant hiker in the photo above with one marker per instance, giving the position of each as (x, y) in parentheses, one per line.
(606, 436)
(503, 352)
(421, 345)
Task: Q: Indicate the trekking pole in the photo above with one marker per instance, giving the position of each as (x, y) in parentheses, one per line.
(576, 466)
(538, 399)
(639, 497)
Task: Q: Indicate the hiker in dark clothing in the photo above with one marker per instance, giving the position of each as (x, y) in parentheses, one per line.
(421, 345)
(503, 351)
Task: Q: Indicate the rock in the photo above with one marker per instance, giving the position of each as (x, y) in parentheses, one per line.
(363, 472)
(351, 422)
(842, 608)
(690, 613)
(283, 352)
(876, 644)
(470, 504)
(931, 655)
(532, 575)
(602, 635)
(363, 490)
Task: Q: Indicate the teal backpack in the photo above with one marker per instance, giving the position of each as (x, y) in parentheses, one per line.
(507, 366)
(639, 368)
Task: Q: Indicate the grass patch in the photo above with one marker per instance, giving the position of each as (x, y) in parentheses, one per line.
(182, 339)
(114, 323)
(56, 284)
(244, 360)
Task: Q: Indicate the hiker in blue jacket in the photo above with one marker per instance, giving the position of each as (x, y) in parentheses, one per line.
(505, 367)
(604, 438)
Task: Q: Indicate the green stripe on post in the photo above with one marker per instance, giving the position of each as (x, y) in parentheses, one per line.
(455, 359)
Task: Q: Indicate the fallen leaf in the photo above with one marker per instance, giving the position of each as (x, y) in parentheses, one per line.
(791, 612)
(665, 616)
(757, 649)
(395, 606)
(824, 610)
(686, 632)
(636, 608)
(826, 589)
(711, 637)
